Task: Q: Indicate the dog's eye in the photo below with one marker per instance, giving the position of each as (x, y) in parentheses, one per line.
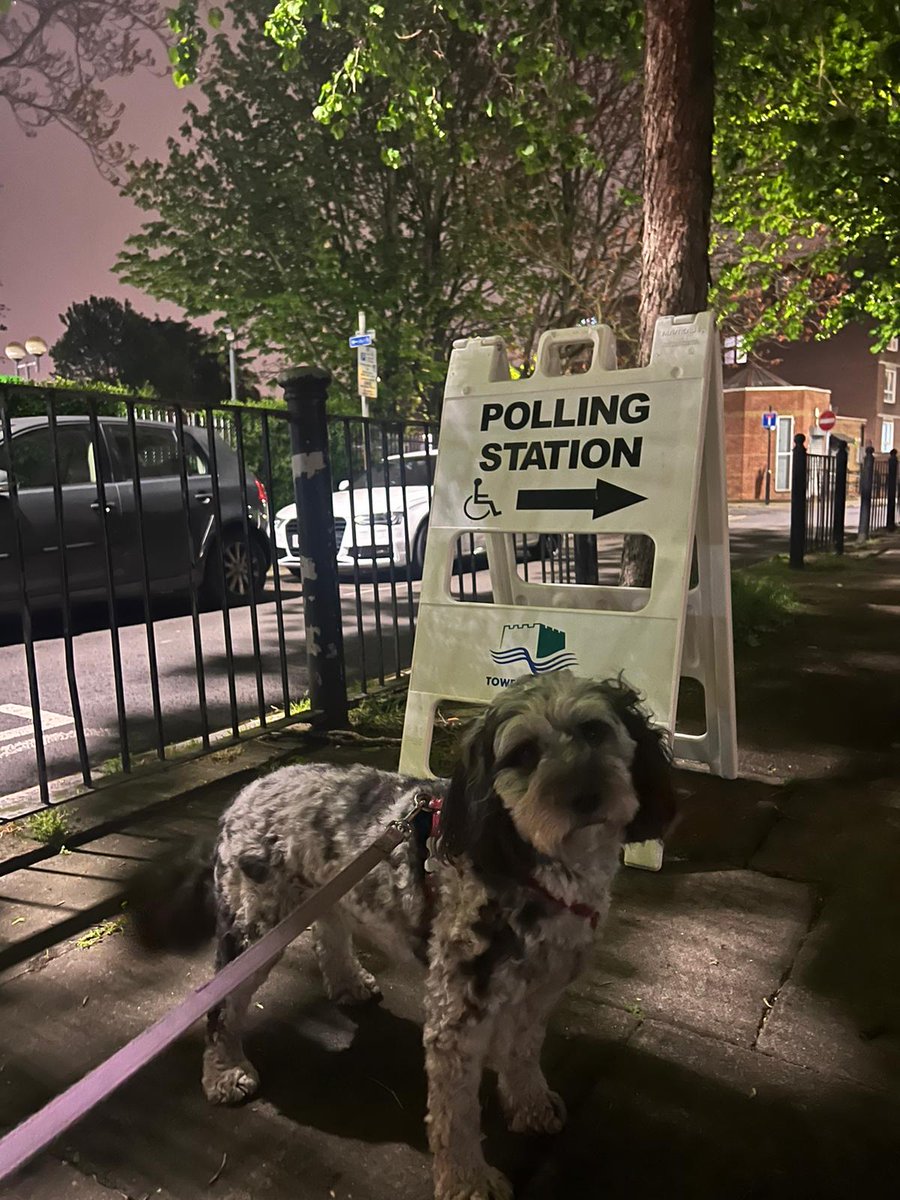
(524, 757)
(594, 732)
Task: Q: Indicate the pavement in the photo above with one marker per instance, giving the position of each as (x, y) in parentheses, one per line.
(736, 1034)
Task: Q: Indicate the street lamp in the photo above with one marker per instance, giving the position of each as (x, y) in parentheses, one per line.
(38, 348)
(35, 346)
(17, 353)
(232, 361)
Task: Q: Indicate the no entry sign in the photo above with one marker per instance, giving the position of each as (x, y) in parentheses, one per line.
(827, 420)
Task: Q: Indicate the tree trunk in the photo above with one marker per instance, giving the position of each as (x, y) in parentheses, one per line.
(677, 130)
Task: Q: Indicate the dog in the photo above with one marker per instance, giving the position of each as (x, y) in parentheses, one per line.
(552, 778)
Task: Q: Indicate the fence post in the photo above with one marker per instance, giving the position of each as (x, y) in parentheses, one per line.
(305, 393)
(586, 558)
(840, 496)
(866, 480)
(892, 492)
(798, 501)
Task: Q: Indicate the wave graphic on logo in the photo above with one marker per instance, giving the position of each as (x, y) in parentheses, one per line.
(555, 662)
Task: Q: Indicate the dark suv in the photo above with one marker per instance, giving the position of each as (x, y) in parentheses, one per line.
(165, 530)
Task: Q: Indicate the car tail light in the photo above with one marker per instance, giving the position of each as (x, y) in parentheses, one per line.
(261, 492)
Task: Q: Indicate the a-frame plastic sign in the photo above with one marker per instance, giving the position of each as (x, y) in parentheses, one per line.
(606, 451)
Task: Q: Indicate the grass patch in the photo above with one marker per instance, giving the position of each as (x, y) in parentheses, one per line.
(380, 715)
(99, 933)
(110, 766)
(50, 828)
(760, 604)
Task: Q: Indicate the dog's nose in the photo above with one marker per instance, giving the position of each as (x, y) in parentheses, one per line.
(585, 802)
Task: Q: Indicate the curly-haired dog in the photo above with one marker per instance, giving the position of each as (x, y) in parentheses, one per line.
(553, 777)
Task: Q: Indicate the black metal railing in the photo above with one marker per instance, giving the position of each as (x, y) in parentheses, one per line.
(158, 581)
(877, 494)
(819, 499)
(149, 604)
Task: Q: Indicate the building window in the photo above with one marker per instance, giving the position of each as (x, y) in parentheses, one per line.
(784, 445)
(894, 345)
(733, 352)
(889, 395)
(887, 437)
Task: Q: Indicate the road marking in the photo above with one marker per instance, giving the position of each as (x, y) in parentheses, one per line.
(49, 720)
(61, 735)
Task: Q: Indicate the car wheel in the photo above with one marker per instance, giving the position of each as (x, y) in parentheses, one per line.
(243, 565)
(418, 552)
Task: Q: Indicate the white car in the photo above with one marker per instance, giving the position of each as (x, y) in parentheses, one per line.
(377, 533)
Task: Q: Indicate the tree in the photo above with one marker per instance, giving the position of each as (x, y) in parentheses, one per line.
(57, 55)
(807, 127)
(288, 224)
(677, 143)
(807, 115)
(108, 342)
(677, 129)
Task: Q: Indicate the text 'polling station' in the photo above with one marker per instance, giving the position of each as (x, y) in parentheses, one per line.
(582, 413)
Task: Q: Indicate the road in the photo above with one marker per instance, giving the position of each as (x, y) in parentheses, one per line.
(756, 533)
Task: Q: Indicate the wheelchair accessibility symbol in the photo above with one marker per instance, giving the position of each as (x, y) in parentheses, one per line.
(479, 505)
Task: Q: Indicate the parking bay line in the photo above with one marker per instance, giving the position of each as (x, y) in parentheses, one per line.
(49, 720)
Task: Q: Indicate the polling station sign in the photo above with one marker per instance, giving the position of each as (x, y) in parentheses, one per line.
(597, 452)
(606, 451)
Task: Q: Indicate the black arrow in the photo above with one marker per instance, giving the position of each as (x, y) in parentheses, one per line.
(603, 499)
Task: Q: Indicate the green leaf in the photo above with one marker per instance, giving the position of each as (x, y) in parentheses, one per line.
(215, 16)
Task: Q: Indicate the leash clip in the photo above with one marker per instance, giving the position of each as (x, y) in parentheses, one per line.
(404, 825)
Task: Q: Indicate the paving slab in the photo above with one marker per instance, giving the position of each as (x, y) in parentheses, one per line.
(840, 1006)
(673, 1114)
(343, 1095)
(701, 950)
(721, 821)
(52, 1180)
(830, 831)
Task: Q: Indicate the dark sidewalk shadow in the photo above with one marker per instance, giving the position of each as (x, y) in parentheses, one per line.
(650, 1127)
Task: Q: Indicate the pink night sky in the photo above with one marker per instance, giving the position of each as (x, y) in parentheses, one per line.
(61, 223)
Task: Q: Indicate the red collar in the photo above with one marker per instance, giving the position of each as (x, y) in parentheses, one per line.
(433, 806)
(577, 909)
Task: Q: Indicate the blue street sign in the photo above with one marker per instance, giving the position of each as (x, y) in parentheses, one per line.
(361, 339)
(769, 420)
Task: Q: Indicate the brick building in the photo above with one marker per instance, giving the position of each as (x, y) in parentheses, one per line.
(863, 384)
(753, 390)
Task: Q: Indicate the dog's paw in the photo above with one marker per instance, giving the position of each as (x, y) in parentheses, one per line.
(545, 1113)
(233, 1085)
(362, 989)
(489, 1184)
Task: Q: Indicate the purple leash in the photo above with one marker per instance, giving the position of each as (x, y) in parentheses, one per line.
(35, 1133)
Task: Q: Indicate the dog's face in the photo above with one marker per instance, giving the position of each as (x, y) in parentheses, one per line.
(552, 755)
(562, 760)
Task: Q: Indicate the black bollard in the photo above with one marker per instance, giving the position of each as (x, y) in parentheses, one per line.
(840, 496)
(866, 482)
(798, 502)
(306, 393)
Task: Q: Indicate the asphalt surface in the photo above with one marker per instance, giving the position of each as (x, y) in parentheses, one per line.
(377, 645)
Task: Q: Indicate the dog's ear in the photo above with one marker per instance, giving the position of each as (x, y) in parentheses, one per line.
(470, 787)
(651, 769)
(474, 820)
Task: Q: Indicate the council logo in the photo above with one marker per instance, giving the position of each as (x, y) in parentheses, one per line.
(530, 650)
